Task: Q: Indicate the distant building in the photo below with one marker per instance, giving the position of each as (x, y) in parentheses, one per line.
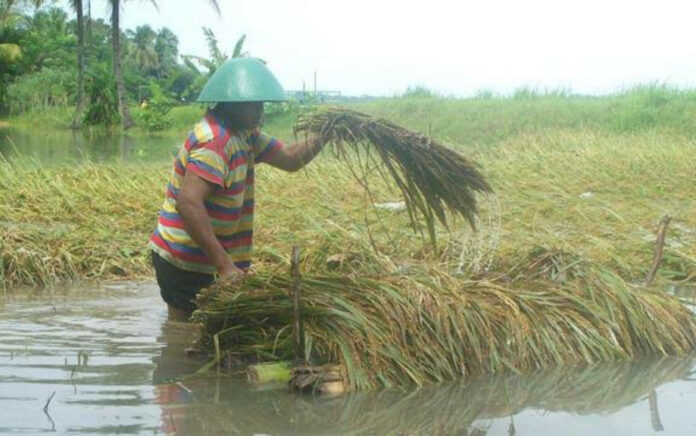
(322, 96)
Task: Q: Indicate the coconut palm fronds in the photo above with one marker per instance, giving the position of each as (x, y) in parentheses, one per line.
(396, 331)
(432, 178)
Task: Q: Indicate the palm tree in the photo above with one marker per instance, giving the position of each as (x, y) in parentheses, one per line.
(167, 49)
(143, 49)
(79, 106)
(126, 119)
(217, 58)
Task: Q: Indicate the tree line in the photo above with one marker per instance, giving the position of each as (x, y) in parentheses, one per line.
(49, 58)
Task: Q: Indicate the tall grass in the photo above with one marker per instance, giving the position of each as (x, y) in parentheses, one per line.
(87, 221)
(488, 119)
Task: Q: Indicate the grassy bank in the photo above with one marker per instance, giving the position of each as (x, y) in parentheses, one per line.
(482, 120)
(182, 119)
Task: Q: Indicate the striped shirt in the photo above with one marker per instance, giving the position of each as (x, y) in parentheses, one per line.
(225, 158)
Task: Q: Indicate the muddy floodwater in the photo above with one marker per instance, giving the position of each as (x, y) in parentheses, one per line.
(65, 147)
(105, 361)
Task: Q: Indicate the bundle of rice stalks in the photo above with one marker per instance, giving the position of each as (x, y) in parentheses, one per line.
(431, 177)
(403, 330)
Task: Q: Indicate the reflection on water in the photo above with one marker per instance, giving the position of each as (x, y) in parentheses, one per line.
(116, 366)
(63, 146)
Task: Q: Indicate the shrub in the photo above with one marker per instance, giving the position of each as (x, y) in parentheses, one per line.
(41, 90)
(100, 88)
(154, 113)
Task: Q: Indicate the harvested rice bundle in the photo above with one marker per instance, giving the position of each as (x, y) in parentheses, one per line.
(403, 330)
(431, 177)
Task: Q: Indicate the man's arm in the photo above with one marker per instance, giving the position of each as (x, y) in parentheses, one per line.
(189, 204)
(296, 156)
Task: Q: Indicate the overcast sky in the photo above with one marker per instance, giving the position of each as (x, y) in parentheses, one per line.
(380, 47)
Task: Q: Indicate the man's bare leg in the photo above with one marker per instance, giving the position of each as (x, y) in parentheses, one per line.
(176, 314)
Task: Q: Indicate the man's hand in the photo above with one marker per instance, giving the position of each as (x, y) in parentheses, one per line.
(229, 274)
(294, 157)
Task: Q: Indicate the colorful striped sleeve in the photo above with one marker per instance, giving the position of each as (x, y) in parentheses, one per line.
(208, 161)
(266, 146)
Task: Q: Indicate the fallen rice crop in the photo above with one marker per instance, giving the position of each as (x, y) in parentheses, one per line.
(591, 192)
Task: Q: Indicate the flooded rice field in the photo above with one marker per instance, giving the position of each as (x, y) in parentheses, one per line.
(106, 362)
(60, 147)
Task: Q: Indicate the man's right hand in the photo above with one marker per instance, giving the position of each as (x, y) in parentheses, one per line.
(229, 273)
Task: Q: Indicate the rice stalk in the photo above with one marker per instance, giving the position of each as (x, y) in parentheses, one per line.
(432, 178)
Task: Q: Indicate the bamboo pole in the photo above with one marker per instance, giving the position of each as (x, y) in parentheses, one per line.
(298, 331)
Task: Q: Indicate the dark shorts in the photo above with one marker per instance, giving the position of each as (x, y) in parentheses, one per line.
(177, 286)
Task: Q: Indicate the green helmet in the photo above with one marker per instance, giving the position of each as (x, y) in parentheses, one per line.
(242, 79)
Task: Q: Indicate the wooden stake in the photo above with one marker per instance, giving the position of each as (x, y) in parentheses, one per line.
(659, 246)
(48, 402)
(654, 412)
(298, 331)
(657, 258)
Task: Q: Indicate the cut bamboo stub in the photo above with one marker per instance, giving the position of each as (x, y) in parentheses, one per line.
(271, 372)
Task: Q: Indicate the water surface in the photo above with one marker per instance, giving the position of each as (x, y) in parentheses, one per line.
(117, 367)
(65, 146)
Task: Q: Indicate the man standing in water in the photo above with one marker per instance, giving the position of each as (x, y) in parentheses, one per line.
(205, 226)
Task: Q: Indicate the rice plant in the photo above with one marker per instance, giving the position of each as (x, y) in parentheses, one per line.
(431, 177)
